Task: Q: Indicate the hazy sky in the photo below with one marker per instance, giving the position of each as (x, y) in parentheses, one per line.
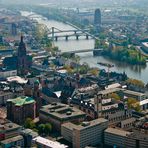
(75, 1)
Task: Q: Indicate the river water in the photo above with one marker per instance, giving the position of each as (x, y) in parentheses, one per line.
(137, 72)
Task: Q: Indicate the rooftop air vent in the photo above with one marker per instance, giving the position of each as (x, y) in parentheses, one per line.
(68, 113)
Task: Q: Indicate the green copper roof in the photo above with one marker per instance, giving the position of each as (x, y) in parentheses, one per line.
(22, 100)
(36, 82)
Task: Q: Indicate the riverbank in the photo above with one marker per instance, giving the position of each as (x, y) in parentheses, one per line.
(126, 55)
(133, 71)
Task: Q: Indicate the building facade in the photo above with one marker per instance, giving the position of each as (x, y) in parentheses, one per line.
(58, 113)
(21, 108)
(86, 133)
(17, 141)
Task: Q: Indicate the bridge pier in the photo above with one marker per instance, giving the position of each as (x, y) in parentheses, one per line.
(87, 37)
(66, 37)
(75, 32)
(77, 37)
(97, 52)
(56, 38)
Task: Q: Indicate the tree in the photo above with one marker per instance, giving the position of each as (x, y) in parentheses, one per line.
(69, 69)
(29, 123)
(41, 128)
(94, 71)
(48, 128)
(115, 96)
(133, 104)
(83, 69)
(135, 82)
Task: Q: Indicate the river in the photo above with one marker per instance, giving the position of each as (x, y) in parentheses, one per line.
(136, 71)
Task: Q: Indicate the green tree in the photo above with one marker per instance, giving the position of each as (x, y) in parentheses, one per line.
(41, 128)
(29, 123)
(48, 128)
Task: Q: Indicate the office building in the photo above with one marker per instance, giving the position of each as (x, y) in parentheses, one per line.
(13, 142)
(21, 108)
(28, 136)
(58, 113)
(124, 139)
(85, 133)
(8, 129)
(115, 137)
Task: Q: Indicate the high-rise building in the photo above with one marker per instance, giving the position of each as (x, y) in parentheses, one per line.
(97, 17)
(97, 20)
(13, 29)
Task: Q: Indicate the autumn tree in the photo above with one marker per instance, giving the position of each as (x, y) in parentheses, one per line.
(135, 82)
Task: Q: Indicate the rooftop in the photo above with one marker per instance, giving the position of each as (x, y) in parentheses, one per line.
(10, 140)
(84, 125)
(23, 100)
(118, 132)
(134, 93)
(61, 111)
(49, 143)
(145, 44)
(6, 125)
(17, 79)
(108, 91)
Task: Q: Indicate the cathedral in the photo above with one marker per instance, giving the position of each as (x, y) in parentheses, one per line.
(20, 61)
(24, 61)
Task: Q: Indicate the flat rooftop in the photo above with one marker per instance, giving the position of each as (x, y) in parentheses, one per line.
(6, 125)
(61, 111)
(10, 140)
(118, 132)
(84, 125)
(134, 93)
(49, 143)
(22, 100)
(108, 91)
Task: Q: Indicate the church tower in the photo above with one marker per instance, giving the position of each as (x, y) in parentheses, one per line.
(23, 60)
(37, 96)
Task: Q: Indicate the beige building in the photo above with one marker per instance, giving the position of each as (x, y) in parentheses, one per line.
(86, 133)
(125, 139)
(8, 129)
(115, 137)
(15, 142)
(58, 113)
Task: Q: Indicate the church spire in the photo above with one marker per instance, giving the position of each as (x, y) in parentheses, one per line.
(22, 38)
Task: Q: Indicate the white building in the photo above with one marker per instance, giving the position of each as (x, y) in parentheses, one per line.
(46, 143)
(7, 73)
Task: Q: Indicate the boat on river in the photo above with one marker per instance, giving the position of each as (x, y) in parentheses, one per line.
(105, 64)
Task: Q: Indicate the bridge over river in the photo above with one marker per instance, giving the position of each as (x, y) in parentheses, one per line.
(56, 33)
(95, 51)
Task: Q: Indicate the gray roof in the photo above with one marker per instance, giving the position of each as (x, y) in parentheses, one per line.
(13, 139)
(61, 111)
(118, 132)
(72, 126)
